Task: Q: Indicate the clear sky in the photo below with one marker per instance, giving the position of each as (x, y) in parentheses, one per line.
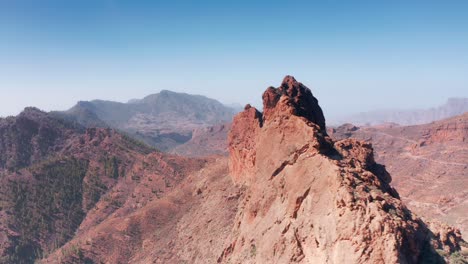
(354, 55)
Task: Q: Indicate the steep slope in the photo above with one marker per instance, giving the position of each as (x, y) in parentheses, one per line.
(164, 120)
(31, 136)
(53, 174)
(453, 107)
(188, 224)
(312, 200)
(428, 163)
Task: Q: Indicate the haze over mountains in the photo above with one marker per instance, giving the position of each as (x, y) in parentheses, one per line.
(453, 107)
(288, 193)
(76, 187)
(168, 120)
(163, 120)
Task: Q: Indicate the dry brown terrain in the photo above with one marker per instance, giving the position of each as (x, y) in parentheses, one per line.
(288, 193)
(429, 165)
(186, 225)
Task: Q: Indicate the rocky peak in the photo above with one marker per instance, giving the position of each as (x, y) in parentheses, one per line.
(312, 200)
(298, 100)
(291, 116)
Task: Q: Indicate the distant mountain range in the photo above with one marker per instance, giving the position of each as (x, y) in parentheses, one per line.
(287, 193)
(164, 120)
(453, 107)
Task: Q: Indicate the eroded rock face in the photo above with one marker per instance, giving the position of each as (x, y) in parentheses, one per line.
(291, 115)
(312, 200)
(242, 139)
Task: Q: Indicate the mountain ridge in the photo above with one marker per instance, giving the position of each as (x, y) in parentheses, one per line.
(164, 120)
(51, 176)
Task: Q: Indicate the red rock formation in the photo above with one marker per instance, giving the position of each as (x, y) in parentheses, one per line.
(288, 107)
(312, 200)
(242, 141)
(299, 101)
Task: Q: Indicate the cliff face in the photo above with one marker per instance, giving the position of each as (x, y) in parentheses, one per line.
(312, 200)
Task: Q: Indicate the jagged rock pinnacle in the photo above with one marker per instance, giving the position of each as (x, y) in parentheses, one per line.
(299, 99)
(310, 199)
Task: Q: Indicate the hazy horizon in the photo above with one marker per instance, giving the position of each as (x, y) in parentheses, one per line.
(355, 57)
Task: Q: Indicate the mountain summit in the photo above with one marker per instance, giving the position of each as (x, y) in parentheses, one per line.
(299, 100)
(310, 199)
(163, 120)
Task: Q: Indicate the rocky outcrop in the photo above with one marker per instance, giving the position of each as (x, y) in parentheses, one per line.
(242, 141)
(299, 101)
(292, 115)
(310, 199)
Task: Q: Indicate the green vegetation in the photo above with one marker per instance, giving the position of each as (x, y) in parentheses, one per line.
(47, 209)
(74, 254)
(93, 188)
(253, 251)
(457, 258)
(133, 143)
(442, 252)
(111, 167)
(72, 250)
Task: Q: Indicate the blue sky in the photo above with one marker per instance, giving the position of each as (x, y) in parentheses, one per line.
(354, 55)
